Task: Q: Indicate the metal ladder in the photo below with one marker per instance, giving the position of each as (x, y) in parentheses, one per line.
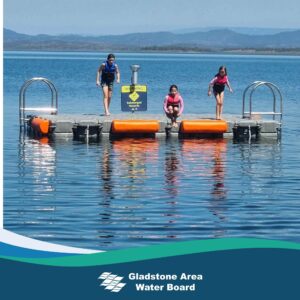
(275, 92)
(22, 104)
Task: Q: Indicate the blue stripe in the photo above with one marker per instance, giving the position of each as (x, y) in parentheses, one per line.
(10, 250)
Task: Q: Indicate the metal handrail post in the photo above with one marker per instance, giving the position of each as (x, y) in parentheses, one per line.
(22, 94)
(273, 89)
(245, 93)
(254, 86)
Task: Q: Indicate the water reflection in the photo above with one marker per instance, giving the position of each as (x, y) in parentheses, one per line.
(37, 161)
(218, 170)
(36, 183)
(126, 167)
(133, 157)
(261, 164)
(172, 169)
(132, 192)
(132, 169)
(209, 160)
(106, 166)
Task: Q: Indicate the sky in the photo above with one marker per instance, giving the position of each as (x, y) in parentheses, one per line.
(98, 17)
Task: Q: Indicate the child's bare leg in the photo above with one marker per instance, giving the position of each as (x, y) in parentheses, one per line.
(170, 113)
(109, 99)
(221, 103)
(105, 100)
(218, 106)
(175, 114)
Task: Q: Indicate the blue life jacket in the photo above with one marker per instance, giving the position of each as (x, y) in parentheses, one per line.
(108, 73)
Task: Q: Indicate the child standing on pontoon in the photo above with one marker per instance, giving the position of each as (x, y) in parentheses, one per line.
(173, 104)
(107, 71)
(218, 85)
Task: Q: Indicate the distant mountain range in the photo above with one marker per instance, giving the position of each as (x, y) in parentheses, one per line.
(243, 30)
(212, 40)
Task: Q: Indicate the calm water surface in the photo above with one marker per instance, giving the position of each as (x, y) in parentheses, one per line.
(134, 192)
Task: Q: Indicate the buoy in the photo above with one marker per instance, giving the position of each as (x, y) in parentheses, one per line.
(203, 126)
(135, 126)
(40, 126)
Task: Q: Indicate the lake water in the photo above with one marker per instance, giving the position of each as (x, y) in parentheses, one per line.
(135, 192)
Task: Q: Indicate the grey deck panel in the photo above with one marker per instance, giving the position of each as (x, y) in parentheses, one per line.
(65, 122)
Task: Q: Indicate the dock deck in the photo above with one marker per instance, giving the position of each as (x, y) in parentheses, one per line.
(65, 123)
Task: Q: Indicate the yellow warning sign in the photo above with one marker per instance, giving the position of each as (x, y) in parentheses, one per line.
(134, 96)
(133, 88)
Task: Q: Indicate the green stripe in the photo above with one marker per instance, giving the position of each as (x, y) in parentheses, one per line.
(158, 251)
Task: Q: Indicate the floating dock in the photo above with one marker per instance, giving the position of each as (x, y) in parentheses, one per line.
(155, 124)
(45, 121)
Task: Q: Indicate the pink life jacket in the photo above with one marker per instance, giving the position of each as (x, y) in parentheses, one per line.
(173, 100)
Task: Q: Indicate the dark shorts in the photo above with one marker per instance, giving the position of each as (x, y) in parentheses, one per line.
(173, 105)
(218, 89)
(171, 115)
(108, 83)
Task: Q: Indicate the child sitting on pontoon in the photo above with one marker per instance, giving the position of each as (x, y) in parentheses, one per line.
(173, 104)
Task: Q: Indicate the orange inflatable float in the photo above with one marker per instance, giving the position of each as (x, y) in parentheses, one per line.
(203, 126)
(135, 126)
(41, 126)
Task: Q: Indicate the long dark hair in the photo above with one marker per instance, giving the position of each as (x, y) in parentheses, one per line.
(223, 68)
(173, 86)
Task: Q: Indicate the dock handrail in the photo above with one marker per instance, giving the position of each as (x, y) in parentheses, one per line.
(22, 103)
(274, 89)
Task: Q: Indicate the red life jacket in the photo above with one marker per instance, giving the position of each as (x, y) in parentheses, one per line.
(173, 100)
(221, 80)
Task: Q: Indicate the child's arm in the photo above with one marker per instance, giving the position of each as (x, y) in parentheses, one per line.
(118, 74)
(165, 104)
(181, 106)
(211, 84)
(229, 86)
(99, 72)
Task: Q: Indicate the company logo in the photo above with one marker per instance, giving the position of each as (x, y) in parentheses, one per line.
(111, 282)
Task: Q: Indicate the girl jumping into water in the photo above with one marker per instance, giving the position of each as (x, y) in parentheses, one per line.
(218, 85)
(107, 71)
(173, 104)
